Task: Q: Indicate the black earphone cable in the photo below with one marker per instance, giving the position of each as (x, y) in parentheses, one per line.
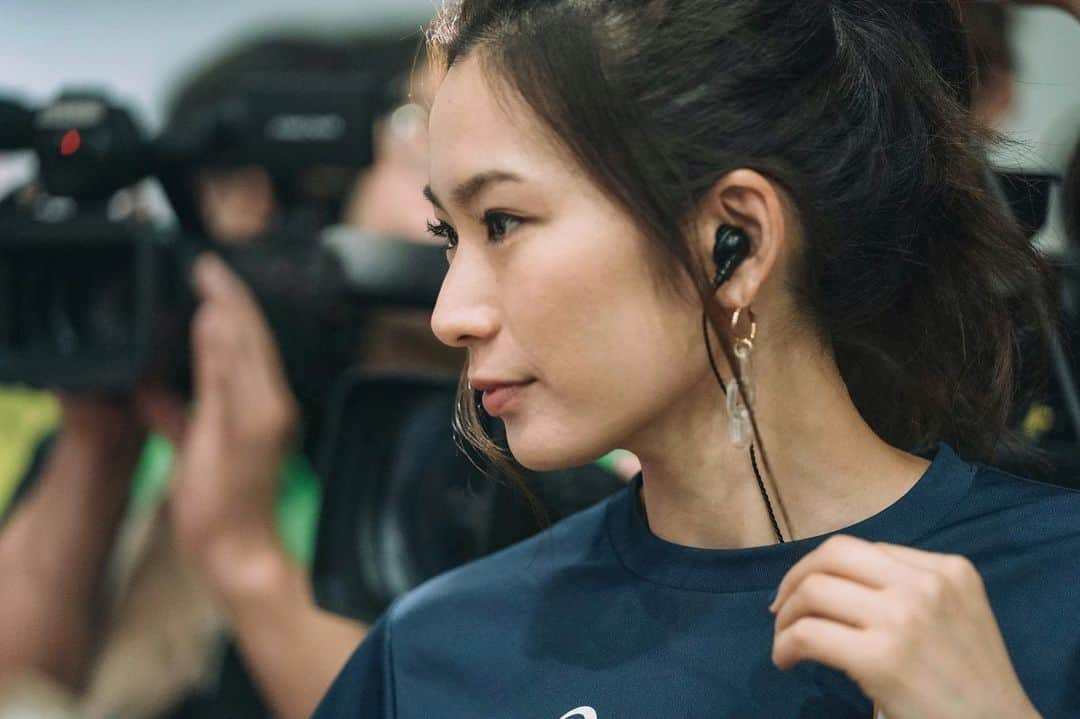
(765, 495)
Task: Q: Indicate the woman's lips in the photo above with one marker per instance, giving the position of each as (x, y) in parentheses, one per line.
(499, 398)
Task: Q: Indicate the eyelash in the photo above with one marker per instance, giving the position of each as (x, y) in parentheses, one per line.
(491, 219)
(446, 232)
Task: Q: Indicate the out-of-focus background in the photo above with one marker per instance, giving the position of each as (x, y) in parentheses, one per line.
(371, 496)
(139, 54)
(139, 51)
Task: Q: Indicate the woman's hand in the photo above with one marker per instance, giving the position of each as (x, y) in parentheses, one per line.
(224, 489)
(913, 629)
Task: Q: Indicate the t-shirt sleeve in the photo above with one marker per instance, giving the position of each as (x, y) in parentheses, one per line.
(365, 687)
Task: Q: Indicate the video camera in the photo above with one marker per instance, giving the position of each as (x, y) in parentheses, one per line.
(90, 300)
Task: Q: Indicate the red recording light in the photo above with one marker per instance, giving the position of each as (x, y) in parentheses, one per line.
(70, 143)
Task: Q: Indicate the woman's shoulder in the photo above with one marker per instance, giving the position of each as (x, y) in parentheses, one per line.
(1004, 515)
(505, 581)
(996, 490)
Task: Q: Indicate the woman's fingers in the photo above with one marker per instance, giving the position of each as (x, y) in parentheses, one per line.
(827, 596)
(844, 556)
(821, 640)
(954, 568)
(913, 629)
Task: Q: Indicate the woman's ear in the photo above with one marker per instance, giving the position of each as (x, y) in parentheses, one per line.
(750, 202)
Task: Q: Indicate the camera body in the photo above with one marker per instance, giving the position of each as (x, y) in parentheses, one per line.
(90, 300)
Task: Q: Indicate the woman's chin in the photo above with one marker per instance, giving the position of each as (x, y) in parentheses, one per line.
(546, 463)
(549, 456)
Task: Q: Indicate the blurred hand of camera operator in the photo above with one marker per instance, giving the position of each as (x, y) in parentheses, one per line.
(54, 549)
(241, 426)
(223, 491)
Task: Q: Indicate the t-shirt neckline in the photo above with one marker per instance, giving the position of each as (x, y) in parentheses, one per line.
(934, 495)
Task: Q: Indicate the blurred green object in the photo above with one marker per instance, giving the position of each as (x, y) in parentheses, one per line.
(298, 502)
(620, 462)
(609, 460)
(26, 417)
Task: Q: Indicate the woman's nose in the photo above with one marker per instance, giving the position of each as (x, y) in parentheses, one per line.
(465, 312)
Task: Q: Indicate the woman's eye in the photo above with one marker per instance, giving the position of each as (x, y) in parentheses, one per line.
(445, 232)
(500, 224)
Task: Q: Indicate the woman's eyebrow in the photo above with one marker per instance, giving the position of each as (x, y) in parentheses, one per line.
(468, 190)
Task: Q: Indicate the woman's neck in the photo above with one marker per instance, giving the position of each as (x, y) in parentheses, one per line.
(828, 466)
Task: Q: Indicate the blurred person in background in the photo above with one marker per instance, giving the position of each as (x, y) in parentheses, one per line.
(989, 26)
(1047, 422)
(236, 547)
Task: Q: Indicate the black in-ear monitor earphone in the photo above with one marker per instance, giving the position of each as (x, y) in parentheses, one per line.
(731, 248)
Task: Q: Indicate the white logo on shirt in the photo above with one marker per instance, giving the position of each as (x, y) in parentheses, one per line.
(580, 713)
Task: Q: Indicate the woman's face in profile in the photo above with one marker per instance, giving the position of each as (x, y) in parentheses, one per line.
(550, 286)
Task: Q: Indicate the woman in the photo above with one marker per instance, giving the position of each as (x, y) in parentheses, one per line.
(804, 177)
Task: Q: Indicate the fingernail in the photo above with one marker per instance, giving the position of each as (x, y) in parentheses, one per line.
(772, 600)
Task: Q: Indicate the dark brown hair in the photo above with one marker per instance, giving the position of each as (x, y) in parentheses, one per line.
(919, 281)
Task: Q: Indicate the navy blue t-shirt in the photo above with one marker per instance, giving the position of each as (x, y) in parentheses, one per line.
(597, 618)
